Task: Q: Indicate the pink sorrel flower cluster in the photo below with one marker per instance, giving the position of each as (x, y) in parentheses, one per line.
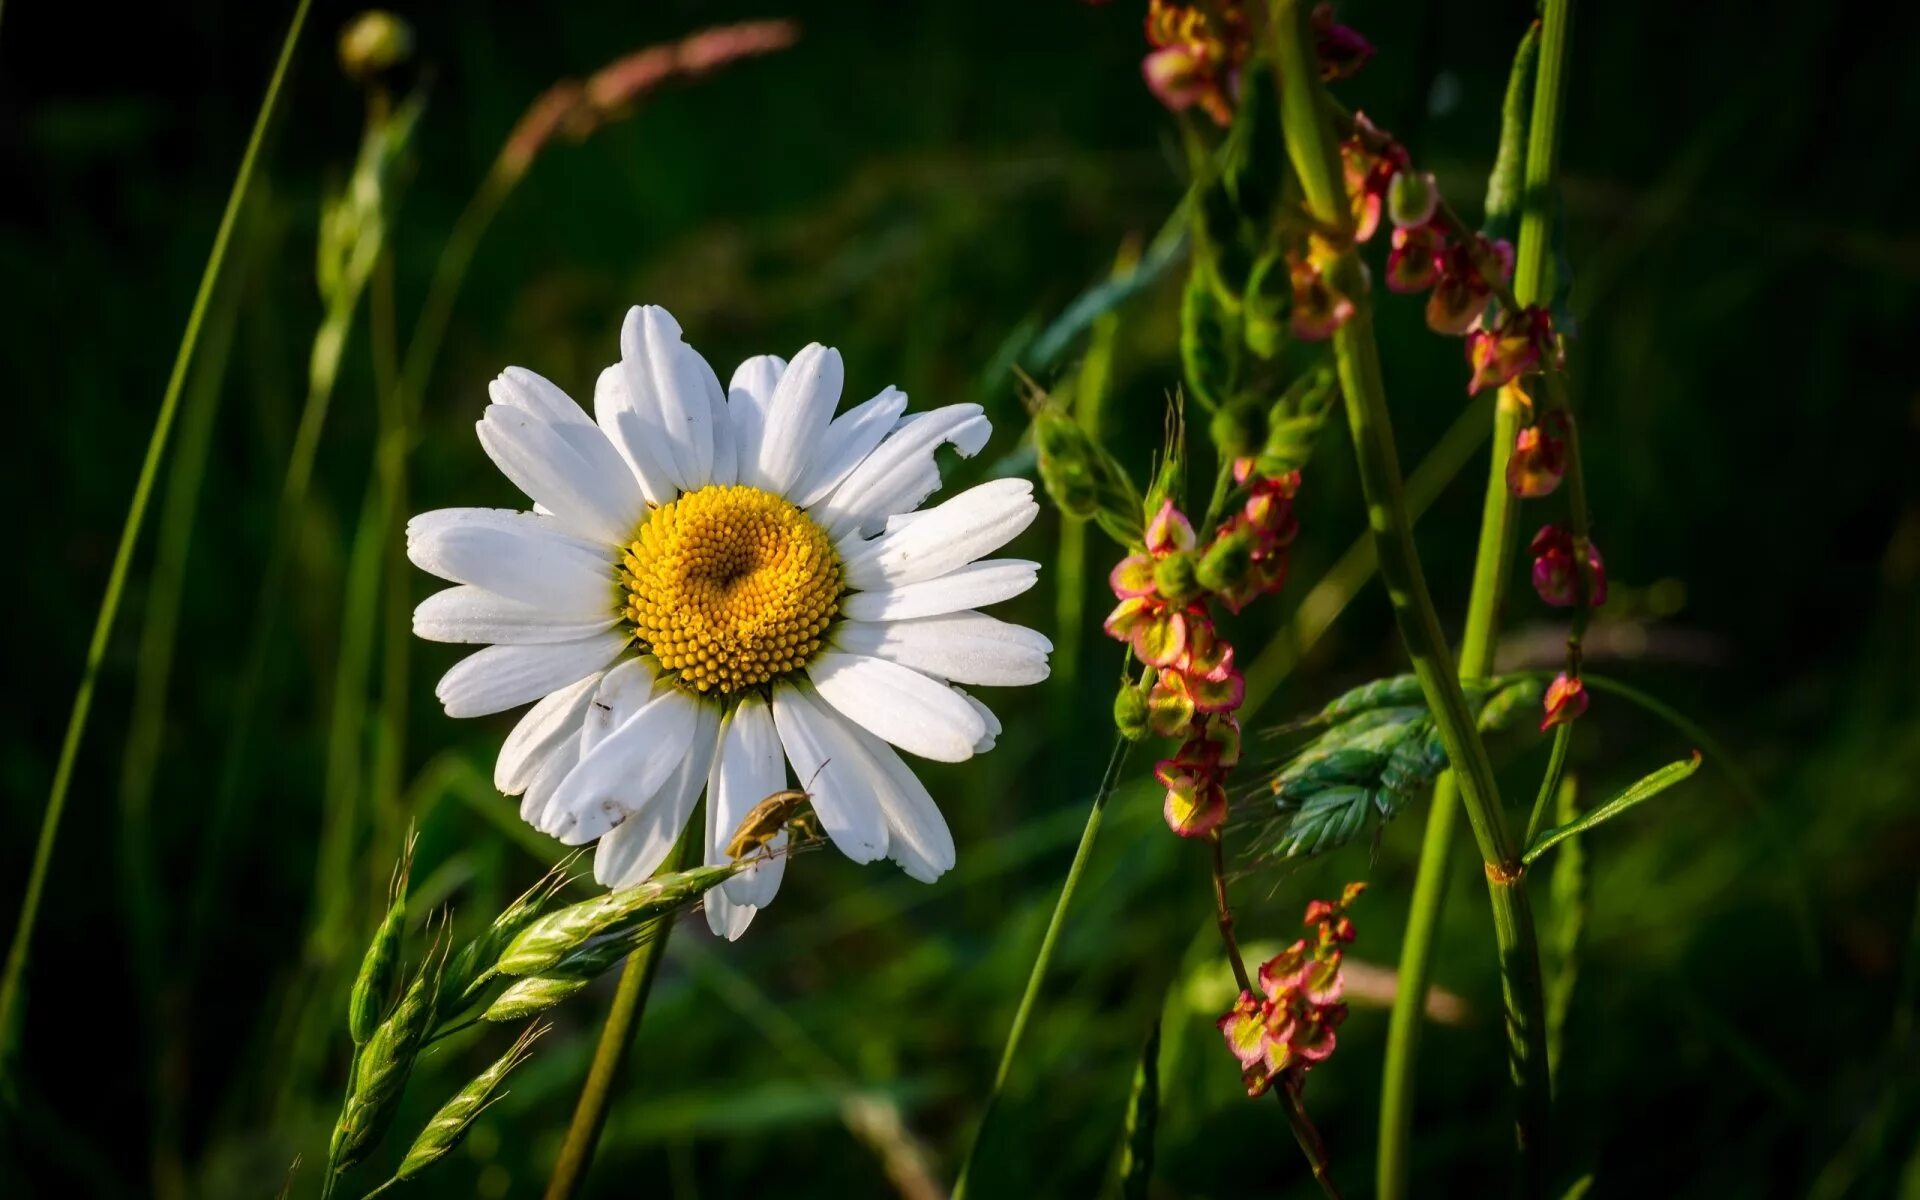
(1164, 613)
(1197, 56)
(1200, 49)
(1290, 1029)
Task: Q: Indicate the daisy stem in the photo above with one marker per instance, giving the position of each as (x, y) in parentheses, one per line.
(1304, 117)
(629, 1002)
(129, 537)
(1038, 974)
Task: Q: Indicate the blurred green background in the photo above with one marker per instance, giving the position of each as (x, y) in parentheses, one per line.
(924, 186)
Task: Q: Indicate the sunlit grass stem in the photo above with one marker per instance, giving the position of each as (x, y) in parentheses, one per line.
(1037, 976)
(10, 980)
(623, 1018)
(1304, 117)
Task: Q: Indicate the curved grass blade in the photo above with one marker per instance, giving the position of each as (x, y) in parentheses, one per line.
(129, 537)
(1143, 1115)
(1638, 793)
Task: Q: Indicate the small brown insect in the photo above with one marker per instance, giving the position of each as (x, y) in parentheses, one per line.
(765, 820)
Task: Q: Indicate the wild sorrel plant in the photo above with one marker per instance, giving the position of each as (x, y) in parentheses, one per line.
(1279, 215)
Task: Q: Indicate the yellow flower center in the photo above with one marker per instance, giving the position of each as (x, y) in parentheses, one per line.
(730, 587)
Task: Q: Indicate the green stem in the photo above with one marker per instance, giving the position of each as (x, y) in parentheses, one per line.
(1550, 782)
(629, 1001)
(1038, 974)
(1304, 117)
(129, 538)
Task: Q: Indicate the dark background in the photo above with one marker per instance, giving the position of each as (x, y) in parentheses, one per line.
(916, 183)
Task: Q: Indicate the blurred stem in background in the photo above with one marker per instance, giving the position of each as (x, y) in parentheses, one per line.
(11, 980)
(1532, 284)
(1304, 117)
(1090, 386)
(1037, 976)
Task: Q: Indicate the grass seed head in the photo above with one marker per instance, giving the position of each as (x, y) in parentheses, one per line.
(385, 1063)
(544, 943)
(374, 983)
(457, 1115)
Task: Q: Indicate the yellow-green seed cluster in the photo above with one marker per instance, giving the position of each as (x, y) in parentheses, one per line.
(730, 587)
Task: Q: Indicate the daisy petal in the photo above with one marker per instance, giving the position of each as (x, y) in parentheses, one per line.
(523, 389)
(978, 521)
(749, 768)
(853, 435)
(748, 396)
(966, 647)
(471, 614)
(813, 736)
(545, 779)
(636, 847)
(502, 677)
(797, 416)
(898, 705)
(637, 435)
(667, 377)
(902, 471)
(726, 453)
(623, 691)
(581, 480)
(554, 720)
(623, 771)
(521, 556)
(918, 837)
(973, 586)
(992, 735)
(725, 918)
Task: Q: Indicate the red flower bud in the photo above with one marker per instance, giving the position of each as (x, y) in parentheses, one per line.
(1565, 701)
(1553, 569)
(1538, 462)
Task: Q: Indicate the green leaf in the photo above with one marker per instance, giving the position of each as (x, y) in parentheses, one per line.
(1210, 340)
(1506, 185)
(1143, 1114)
(1568, 889)
(1645, 789)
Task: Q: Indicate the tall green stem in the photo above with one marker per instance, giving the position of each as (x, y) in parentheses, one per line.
(1315, 157)
(629, 1001)
(1038, 975)
(129, 538)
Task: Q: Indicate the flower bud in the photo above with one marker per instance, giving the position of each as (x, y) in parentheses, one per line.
(1554, 575)
(1565, 701)
(1225, 565)
(1414, 262)
(1538, 462)
(1340, 49)
(1318, 309)
(1130, 712)
(1173, 577)
(1412, 199)
(1239, 428)
(374, 43)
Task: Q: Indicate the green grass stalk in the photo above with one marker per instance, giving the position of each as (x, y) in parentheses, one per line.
(623, 1018)
(1304, 117)
(17, 952)
(1037, 976)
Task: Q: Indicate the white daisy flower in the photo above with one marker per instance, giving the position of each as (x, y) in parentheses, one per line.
(715, 585)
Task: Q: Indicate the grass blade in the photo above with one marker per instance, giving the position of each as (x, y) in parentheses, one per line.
(1646, 789)
(1143, 1114)
(129, 538)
